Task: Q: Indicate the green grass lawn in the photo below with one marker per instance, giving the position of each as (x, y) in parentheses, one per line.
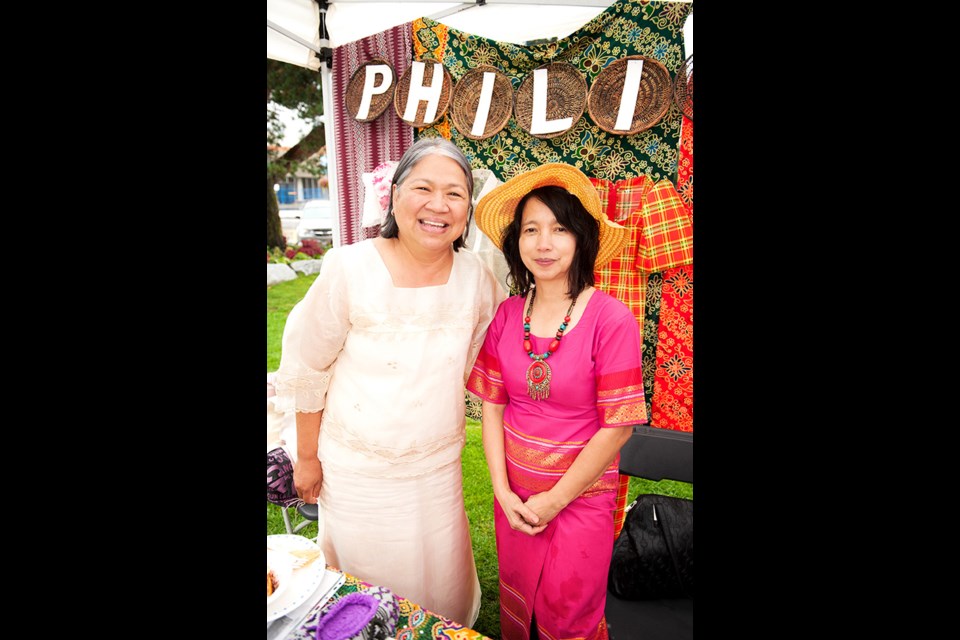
(478, 493)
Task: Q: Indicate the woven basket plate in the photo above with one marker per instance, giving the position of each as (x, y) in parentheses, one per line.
(466, 99)
(683, 87)
(378, 103)
(403, 90)
(653, 98)
(566, 97)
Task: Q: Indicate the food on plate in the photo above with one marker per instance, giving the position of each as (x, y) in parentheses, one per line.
(271, 582)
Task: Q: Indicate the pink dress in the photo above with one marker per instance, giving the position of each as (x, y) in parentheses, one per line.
(560, 575)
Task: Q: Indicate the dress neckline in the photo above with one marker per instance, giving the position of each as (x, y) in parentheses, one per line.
(588, 309)
(383, 265)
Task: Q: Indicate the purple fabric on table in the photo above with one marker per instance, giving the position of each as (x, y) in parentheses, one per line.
(364, 615)
(347, 618)
(280, 489)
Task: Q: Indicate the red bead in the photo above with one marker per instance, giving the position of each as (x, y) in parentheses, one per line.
(553, 346)
(527, 346)
(566, 319)
(526, 319)
(537, 372)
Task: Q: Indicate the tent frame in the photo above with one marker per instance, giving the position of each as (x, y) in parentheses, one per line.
(325, 55)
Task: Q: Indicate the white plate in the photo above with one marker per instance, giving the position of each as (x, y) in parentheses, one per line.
(305, 580)
(280, 564)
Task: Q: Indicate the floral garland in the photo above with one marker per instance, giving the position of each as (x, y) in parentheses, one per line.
(377, 200)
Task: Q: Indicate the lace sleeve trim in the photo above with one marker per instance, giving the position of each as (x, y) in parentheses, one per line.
(304, 394)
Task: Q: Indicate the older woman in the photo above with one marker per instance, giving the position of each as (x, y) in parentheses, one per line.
(374, 362)
(560, 379)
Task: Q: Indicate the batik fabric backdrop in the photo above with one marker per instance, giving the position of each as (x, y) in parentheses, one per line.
(652, 29)
(622, 165)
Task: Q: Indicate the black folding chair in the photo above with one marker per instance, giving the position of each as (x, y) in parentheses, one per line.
(307, 511)
(655, 454)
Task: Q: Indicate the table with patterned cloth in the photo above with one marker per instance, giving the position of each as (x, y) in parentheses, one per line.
(415, 622)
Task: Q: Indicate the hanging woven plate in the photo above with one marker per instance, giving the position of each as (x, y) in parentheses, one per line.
(403, 89)
(566, 97)
(683, 87)
(466, 102)
(378, 102)
(653, 95)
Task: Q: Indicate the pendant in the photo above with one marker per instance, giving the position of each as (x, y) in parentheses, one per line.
(538, 380)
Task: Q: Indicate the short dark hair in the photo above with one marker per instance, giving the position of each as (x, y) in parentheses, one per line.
(569, 212)
(417, 152)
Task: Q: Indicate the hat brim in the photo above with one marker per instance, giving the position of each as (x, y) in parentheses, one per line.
(496, 210)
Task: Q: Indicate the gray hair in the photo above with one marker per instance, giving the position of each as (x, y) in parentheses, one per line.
(420, 149)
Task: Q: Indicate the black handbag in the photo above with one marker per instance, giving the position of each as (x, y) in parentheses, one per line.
(653, 556)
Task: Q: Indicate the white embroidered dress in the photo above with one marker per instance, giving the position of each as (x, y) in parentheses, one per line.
(387, 366)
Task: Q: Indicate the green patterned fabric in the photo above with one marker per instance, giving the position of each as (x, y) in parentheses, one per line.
(414, 623)
(652, 29)
(648, 350)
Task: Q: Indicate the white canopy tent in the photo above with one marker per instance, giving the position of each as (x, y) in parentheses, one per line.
(294, 30)
(293, 26)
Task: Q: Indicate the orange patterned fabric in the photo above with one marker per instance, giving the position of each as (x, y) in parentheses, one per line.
(667, 230)
(486, 378)
(540, 463)
(672, 402)
(617, 395)
(621, 511)
(514, 612)
(439, 35)
(661, 237)
(672, 397)
(622, 277)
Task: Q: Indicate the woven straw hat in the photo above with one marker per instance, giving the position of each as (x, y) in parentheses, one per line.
(495, 210)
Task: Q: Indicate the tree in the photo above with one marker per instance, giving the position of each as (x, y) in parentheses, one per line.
(296, 88)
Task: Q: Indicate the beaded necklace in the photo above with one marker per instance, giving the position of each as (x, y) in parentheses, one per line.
(538, 373)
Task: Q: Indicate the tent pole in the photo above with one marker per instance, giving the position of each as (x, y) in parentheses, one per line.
(330, 133)
(292, 36)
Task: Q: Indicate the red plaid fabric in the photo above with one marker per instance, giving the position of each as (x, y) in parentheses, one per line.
(667, 230)
(661, 236)
(620, 512)
(621, 277)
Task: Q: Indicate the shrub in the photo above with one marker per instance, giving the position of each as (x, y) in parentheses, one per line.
(312, 248)
(276, 256)
(309, 250)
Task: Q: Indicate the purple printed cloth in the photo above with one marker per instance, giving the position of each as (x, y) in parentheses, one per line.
(361, 146)
(371, 614)
(280, 489)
